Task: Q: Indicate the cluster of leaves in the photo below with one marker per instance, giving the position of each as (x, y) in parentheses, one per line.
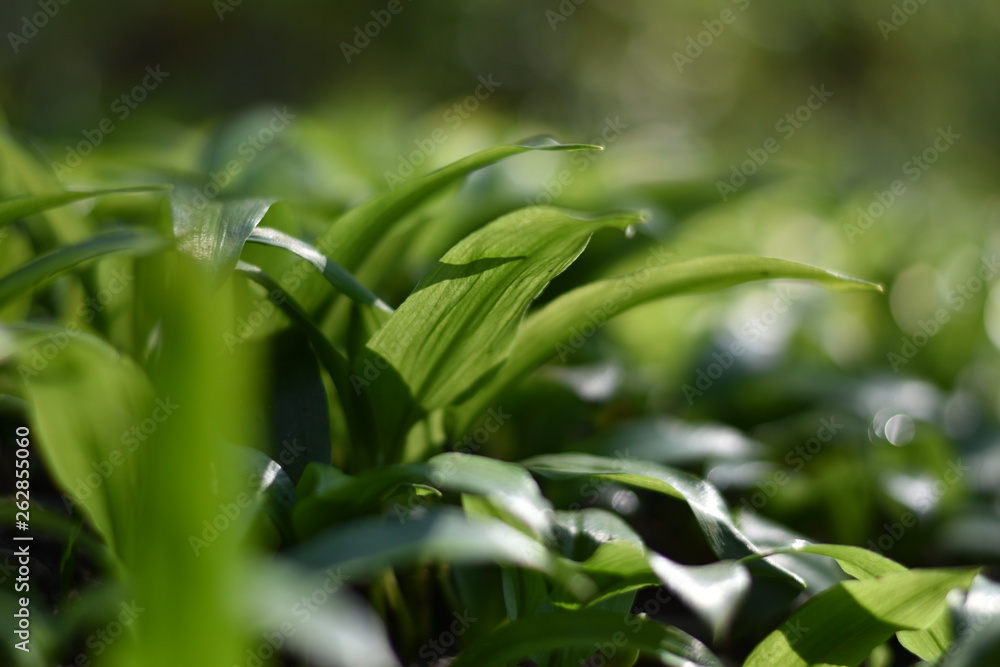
(348, 461)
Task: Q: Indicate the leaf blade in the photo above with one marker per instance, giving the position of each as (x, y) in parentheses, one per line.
(843, 624)
(214, 234)
(335, 274)
(20, 206)
(585, 628)
(44, 268)
(544, 330)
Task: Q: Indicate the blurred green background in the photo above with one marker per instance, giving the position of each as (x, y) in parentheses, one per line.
(856, 136)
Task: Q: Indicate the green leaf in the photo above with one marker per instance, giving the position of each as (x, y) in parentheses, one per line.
(607, 633)
(367, 546)
(337, 275)
(457, 325)
(855, 561)
(214, 233)
(705, 501)
(329, 496)
(15, 208)
(356, 233)
(843, 624)
(617, 560)
(543, 331)
(930, 643)
(298, 410)
(46, 267)
(507, 487)
(85, 400)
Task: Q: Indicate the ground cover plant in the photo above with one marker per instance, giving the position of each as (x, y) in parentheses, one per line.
(257, 455)
(465, 332)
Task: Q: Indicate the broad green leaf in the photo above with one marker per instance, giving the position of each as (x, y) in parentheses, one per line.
(297, 410)
(705, 501)
(15, 208)
(367, 546)
(855, 561)
(329, 496)
(46, 267)
(214, 233)
(546, 329)
(457, 325)
(843, 624)
(929, 643)
(605, 633)
(86, 402)
(507, 487)
(356, 233)
(337, 275)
